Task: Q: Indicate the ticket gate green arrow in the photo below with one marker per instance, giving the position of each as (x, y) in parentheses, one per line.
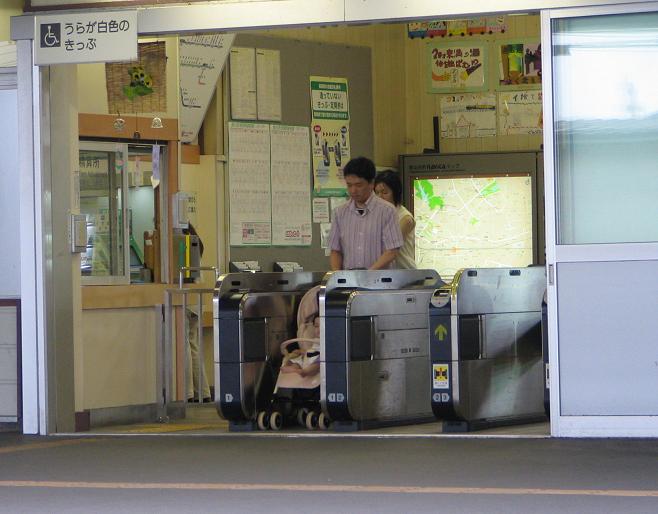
(441, 332)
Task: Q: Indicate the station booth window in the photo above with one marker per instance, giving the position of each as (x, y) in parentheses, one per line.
(121, 189)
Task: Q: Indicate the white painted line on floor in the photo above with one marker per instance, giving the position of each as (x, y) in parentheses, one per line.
(322, 488)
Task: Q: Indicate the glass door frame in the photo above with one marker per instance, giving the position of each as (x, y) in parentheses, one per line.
(114, 279)
(576, 253)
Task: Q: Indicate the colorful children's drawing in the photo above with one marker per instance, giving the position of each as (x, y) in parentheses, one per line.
(520, 64)
(458, 67)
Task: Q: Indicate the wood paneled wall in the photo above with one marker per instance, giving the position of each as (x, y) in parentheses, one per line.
(422, 106)
(402, 107)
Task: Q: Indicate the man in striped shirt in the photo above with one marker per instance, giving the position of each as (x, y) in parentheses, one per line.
(365, 233)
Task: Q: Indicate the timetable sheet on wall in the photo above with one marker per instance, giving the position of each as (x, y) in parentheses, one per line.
(249, 184)
(270, 185)
(291, 185)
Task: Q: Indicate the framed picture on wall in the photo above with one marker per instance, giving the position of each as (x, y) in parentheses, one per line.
(519, 63)
(456, 67)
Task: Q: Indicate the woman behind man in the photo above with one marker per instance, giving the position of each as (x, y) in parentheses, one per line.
(389, 187)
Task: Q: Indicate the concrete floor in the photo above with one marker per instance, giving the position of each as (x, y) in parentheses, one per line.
(202, 419)
(349, 474)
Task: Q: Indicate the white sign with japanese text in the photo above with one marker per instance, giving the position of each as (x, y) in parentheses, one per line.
(67, 38)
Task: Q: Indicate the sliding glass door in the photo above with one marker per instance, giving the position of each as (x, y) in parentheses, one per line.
(602, 219)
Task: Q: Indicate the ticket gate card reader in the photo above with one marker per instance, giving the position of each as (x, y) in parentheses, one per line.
(486, 349)
(253, 314)
(240, 266)
(374, 355)
(287, 266)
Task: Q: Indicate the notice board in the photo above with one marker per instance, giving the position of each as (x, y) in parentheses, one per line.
(299, 61)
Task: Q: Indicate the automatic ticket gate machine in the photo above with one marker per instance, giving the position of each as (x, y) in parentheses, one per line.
(253, 314)
(486, 348)
(374, 352)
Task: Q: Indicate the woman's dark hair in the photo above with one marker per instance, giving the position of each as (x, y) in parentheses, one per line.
(361, 167)
(392, 180)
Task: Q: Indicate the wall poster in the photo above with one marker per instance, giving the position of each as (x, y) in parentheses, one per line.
(330, 134)
(269, 185)
(519, 64)
(291, 185)
(242, 63)
(520, 113)
(255, 84)
(468, 115)
(268, 84)
(470, 26)
(250, 208)
(458, 66)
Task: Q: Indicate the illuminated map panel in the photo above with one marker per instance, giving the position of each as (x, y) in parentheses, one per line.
(475, 221)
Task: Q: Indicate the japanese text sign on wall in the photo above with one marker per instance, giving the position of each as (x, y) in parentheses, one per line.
(86, 37)
(457, 67)
(329, 98)
(330, 128)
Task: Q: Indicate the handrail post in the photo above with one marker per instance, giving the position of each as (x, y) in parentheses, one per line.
(189, 364)
(200, 362)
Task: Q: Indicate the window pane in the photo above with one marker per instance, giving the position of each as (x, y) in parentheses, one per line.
(142, 208)
(606, 115)
(101, 200)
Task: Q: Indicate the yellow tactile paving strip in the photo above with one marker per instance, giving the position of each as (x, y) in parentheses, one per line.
(45, 445)
(162, 428)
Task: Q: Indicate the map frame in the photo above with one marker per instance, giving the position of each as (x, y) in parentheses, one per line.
(483, 174)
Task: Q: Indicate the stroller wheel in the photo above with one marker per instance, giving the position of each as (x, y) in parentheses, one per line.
(301, 416)
(323, 421)
(276, 420)
(311, 420)
(263, 420)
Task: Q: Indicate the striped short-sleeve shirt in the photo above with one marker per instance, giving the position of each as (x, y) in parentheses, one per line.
(362, 237)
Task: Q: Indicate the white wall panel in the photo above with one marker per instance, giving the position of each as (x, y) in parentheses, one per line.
(239, 15)
(367, 10)
(10, 257)
(608, 314)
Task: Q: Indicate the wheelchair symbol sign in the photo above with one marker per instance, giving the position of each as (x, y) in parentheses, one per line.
(50, 35)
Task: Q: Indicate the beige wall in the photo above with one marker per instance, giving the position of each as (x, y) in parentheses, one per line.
(119, 361)
(201, 179)
(421, 106)
(8, 8)
(402, 108)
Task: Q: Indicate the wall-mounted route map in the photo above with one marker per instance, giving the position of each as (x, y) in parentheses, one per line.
(474, 221)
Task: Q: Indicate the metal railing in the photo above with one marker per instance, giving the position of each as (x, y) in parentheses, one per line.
(170, 385)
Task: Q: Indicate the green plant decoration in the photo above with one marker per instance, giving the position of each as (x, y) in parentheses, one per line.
(141, 83)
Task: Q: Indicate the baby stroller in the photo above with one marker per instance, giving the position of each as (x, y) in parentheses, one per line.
(297, 391)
